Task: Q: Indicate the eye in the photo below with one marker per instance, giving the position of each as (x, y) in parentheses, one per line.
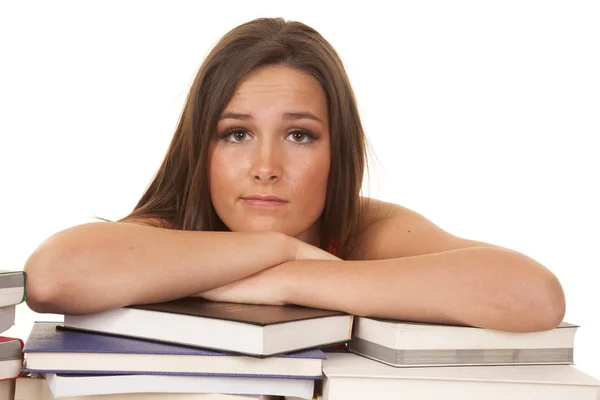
(236, 135)
(302, 136)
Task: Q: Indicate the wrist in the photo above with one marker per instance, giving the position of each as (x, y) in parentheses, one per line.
(286, 245)
(288, 281)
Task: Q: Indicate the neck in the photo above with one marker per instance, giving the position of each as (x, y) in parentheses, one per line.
(312, 235)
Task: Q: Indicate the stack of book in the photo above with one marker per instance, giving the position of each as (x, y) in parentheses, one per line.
(12, 292)
(184, 349)
(192, 349)
(408, 360)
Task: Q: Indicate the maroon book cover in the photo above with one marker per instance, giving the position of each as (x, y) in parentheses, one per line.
(261, 315)
(11, 349)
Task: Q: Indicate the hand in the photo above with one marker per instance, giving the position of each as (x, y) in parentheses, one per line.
(269, 285)
(305, 251)
(264, 287)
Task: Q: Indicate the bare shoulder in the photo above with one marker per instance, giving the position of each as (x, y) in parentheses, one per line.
(389, 230)
(155, 222)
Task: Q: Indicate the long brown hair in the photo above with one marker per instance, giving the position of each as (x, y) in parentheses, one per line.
(179, 192)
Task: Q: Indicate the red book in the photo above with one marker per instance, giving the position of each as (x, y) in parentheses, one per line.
(11, 357)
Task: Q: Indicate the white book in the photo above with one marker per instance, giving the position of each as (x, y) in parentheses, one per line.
(10, 368)
(256, 330)
(352, 377)
(11, 357)
(87, 385)
(409, 344)
(424, 336)
(12, 288)
(36, 388)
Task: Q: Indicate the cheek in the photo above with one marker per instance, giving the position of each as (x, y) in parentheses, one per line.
(222, 175)
(311, 180)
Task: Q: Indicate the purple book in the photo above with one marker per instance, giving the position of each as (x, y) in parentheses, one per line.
(50, 349)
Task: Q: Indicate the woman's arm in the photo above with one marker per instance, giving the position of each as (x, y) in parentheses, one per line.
(405, 267)
(99, 266)
(487, 287)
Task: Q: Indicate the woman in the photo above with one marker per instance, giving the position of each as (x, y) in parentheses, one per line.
(258, 201)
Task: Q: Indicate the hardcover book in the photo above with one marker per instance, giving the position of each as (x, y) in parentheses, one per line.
(413, 344)
(12, 288)
(50, 349)
(11, 357)
(257, 330)
(352, 377)
(87, 385)
(35, 387)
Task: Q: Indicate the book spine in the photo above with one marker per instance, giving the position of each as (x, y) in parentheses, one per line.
(9, 339)
(24, 298)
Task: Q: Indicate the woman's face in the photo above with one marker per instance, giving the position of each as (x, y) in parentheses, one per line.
(272, 141)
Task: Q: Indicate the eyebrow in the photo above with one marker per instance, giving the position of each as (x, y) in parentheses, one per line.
(287, 116)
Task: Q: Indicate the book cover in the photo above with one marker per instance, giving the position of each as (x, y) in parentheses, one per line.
(51, 349)
(427, 336)
(254, 314)
(248, 329)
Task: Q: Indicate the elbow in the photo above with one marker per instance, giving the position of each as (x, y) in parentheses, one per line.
(533, 298)
(552, 305)
(44, 284)
(546, 306)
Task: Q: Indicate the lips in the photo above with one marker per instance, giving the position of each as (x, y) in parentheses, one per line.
(264, 201)
(265, 198)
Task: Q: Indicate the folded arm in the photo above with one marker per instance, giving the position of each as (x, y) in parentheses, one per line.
(105, 265)
(405, 267)
(481, 286)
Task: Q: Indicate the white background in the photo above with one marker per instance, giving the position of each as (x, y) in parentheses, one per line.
(484, 117)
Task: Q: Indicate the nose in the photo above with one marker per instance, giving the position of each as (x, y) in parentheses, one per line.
(267, 162)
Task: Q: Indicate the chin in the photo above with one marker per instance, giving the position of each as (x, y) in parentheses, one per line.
(267, 227)
(272, 228)
(257, 223)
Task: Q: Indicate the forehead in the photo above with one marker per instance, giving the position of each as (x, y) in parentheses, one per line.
(280, 86)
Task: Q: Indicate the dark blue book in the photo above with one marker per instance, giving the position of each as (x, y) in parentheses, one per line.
(50, 349)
